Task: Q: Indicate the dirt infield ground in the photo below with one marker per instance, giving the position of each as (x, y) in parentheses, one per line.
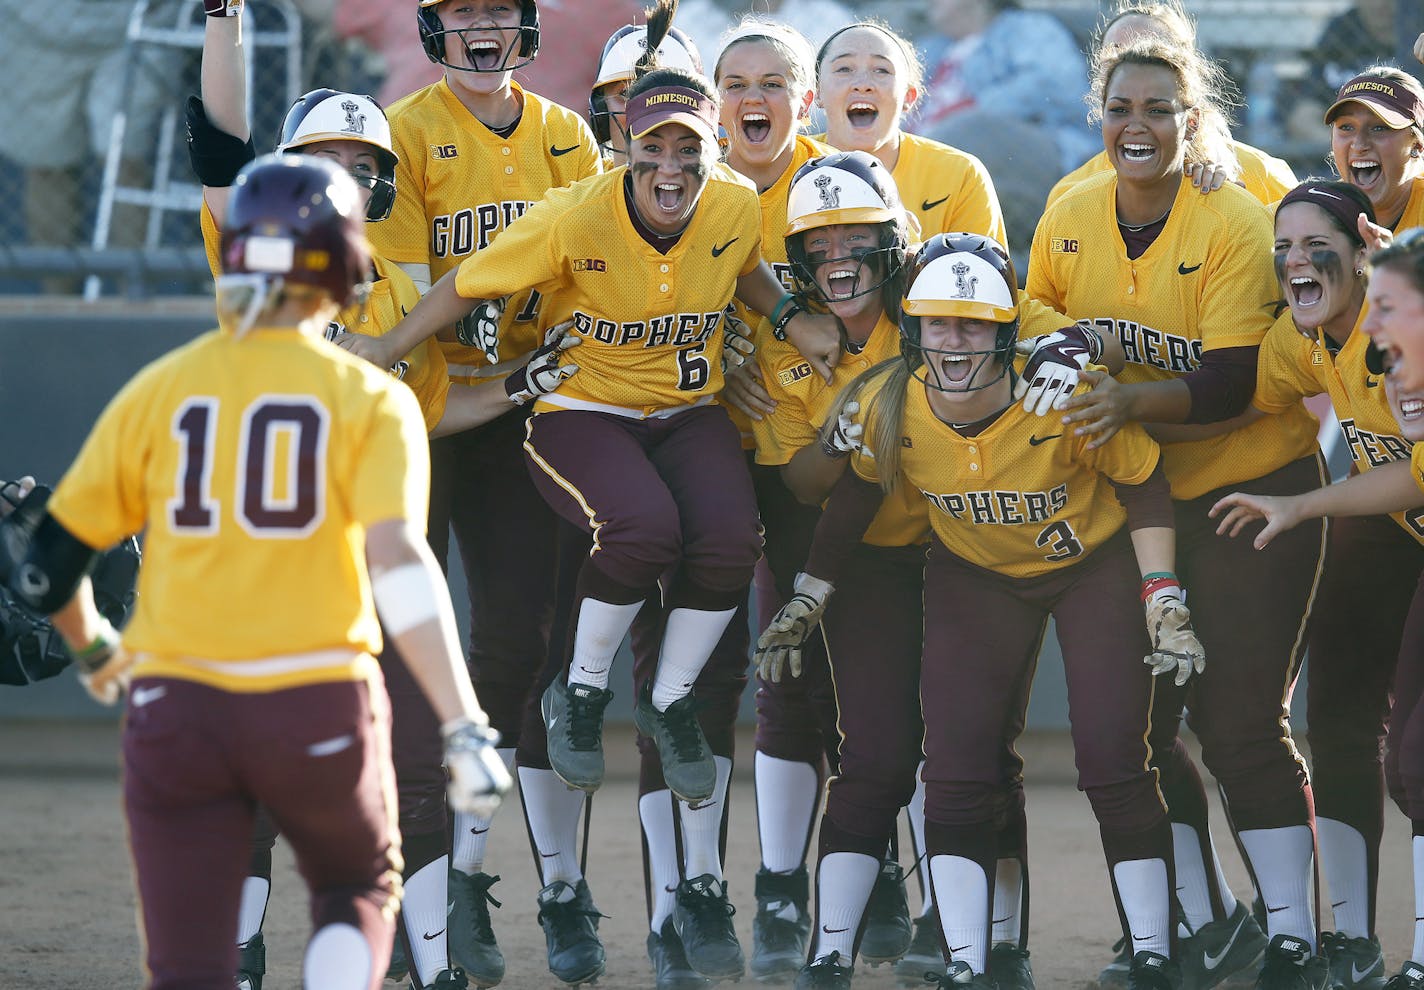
(69, 918)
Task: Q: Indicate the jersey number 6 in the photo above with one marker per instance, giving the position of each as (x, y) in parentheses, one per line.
(692, 368)
(282, 443)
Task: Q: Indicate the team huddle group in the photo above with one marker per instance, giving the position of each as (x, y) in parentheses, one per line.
(692, 352)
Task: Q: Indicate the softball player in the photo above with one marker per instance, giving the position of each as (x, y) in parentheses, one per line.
(616, 69)
(1190, 298)
(1023, 528)
(272, 697)
(1374, 561)
(1396, 298)
(352, 130)
(1266, 177)
(1377, 142)
(476, 150)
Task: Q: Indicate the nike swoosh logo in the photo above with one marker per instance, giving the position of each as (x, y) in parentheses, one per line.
(1271, 910)
(833, 931)
(1371, 384)
(549, 855)
(927, 205)
(1335, 904)
(144, 696)
(1182, 268)
(431, 938)
(1212, 961)
(1035, 441)
(962, 948)
(1356, 975)
(476, 830)
(699, 805)
(717, 251)
(556, 152)
(1000, 921)
(1144, 938)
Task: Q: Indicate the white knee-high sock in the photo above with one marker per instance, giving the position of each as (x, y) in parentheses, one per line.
(552, 809)
(689, 638)
(961, 892)
(1283, 860)
(467, 844)
(1142, 889)
(423, 913)
(702, 827)
(600, 631)
(338, 958)
(787, 793)
(1008, 900)
(843, 883)
(1344, 861)
(915, 815)
(1417, 955)
(655, 812)
(1193, 892)
(253, 908)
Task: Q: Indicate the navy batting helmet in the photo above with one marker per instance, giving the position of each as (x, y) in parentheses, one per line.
(481, 54)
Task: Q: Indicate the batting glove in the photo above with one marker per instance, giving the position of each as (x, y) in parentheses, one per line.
(104, 666)
(480, 327)
(1175, 647)
(222, 8)
(478, 778)
(543, 374)
(1055, 359)
(780, 645)
(737, 344)
(844, 437)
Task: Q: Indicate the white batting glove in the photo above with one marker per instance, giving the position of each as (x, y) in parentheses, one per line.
(780, 645)
(543, 374)
(1175, 647)
(480, 327)
(845, 436)
(737, 346)
(104, 666)
(478, 778)
(1051, 374)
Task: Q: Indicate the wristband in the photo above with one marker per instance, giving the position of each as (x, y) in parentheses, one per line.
(778, 326)
(1160, 582)
(780, 304)
(92, 657)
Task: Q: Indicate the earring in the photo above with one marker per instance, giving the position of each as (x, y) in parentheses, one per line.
(1359, 273)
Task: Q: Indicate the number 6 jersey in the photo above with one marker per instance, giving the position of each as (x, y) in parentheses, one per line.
(257, 466)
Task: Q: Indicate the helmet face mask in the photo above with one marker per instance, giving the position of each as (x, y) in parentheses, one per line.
(329, 115)
(519, 44)
(968, 277)
(840, 189)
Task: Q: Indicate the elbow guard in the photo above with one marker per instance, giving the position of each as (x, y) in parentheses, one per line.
(216, 156)
(46, 577)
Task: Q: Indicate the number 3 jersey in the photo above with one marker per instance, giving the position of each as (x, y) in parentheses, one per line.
(1023, 497)
(257, 466)
(651, 324)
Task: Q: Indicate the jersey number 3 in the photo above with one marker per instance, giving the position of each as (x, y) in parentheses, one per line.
(282, 442)
(1060, 540)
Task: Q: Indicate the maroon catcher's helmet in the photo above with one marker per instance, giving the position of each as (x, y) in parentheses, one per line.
(297, 220)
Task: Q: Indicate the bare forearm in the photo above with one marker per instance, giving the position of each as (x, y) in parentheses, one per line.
(1379, 491)
(439, 308)
(78, 620)
(759, 290)
(224, 76)
(811, 475)
(1156, 549)
(1168, 401)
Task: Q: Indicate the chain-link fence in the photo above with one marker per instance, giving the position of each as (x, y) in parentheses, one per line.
(96, 190)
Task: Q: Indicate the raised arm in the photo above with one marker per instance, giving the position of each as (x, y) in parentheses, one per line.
(222, 112)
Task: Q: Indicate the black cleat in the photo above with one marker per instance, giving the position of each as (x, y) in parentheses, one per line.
(449, 979)
(1114, 974)
(961, 977)
(569, 920)
(888, 931)
(782, 924)
(1411, 977)
(688, 767)
(1152, 971)
(1290, 966)
(830, 972)
(1354, 962)
(1220, 949)
(925, 954)
(1009, 966)
(573, 723)
(671, 970)
(252, 963)
(469, 933)
(703, 919)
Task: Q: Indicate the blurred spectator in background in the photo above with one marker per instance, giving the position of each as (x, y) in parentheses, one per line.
(389, 30)
(706, 21)
(1363, 34)
(66, 84)
(996, 63)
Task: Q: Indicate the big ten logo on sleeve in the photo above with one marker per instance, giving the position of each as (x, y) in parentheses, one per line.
(453, 235)
(444, 152)
(790, 376)
(1064, 245)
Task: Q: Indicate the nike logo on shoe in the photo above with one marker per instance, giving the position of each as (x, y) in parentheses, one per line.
(1209, 961)
(1356, 975)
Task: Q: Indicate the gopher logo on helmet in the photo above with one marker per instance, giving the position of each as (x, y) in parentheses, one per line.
(963, 287)
(355, 121)
(830, 195)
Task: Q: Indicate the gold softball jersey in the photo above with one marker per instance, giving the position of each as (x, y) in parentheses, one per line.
(393, 295)
(803, 402)
(1022, 498)
(459, 184)
(947, 189)
(1264, 176)
(1293, 366)
(1207, 282)
(651, 323)
(257, 466)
